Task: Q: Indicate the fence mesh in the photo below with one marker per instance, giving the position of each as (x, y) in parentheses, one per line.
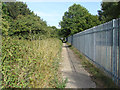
(101, 44)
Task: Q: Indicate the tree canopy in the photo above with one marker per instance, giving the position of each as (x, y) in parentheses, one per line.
(109, 11)
(19, 20)
(77, 19)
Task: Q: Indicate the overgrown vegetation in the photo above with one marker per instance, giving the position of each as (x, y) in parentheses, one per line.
(98, 76)
(30, 49)
(31, 64)
(18, 20)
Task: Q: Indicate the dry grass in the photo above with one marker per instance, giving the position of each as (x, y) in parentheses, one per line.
(32, 64)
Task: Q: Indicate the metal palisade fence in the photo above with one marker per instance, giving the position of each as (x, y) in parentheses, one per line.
(101, 44)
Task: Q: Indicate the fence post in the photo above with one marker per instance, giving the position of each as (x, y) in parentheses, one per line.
(119, 51)
(114, 65)
(113, 53)
(71, 39)
(94, 56)
(66, 39)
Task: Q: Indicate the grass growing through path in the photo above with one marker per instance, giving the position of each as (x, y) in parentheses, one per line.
(31, 64)
(97, 75)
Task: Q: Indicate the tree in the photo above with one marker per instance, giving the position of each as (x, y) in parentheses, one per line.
(109, 11)
(23, 22)
(92, 20)
(29, 24)
(77, 19)
(54, 32)
(16, 8)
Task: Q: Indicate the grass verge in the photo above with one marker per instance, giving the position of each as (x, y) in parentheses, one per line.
(99, 77)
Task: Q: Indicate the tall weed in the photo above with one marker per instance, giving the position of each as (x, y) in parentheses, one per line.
(30, 64)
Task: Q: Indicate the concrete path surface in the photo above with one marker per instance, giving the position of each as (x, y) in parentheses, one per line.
(71, 68)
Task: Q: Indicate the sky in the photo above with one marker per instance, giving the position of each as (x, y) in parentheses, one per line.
(52, 12)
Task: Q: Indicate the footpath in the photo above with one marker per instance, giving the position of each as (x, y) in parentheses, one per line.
(72, 69)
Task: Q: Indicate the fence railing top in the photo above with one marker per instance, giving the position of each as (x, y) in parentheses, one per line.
(101, 27)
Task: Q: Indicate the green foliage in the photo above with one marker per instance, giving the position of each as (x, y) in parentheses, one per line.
(92, 20)
(13, 9)
(109, 11)
(24, 23)
(31, 64)
(29, 24)
(77, 19)
(4, 27)
(62, 84)
(54, 32)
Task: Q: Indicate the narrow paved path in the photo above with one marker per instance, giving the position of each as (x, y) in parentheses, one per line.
(71, 68)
